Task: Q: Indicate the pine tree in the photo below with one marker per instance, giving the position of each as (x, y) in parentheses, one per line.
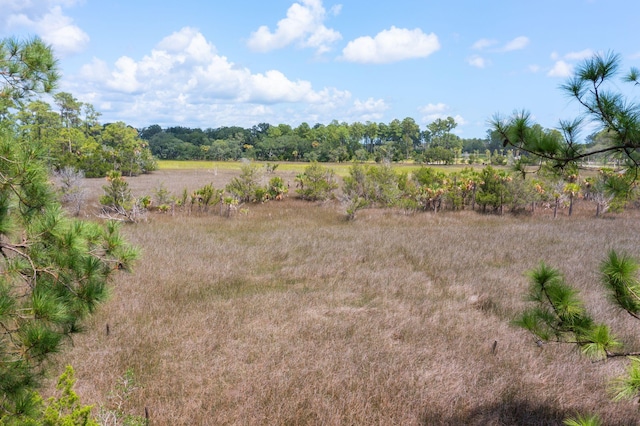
(54, 270)
(603, 104)
(559, 315)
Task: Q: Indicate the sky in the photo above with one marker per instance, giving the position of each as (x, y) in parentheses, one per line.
(210, 64)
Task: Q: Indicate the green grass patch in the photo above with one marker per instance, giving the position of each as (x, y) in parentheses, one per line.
(197, 165)
(341, 169)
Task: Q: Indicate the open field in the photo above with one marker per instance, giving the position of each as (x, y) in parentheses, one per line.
(341, 169)
(291, 315)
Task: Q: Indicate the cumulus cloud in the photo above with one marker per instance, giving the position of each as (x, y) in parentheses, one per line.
(432, 112)
(561, 69)
(184, 77)
(564, 64)
(369, 110)
(392, 45)
(45, 18)
(303, 25)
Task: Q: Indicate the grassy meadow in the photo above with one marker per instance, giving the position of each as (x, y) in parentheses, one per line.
(291, 315)
(341, 169)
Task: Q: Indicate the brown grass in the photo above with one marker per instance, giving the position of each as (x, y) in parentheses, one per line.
(292, 315)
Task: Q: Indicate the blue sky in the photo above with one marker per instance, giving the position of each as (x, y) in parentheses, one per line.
(243, 62)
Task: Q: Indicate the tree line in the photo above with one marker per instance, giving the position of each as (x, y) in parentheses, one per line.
(398, 140)
(72, 137)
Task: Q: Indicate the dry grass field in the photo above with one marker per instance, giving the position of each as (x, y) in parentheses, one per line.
(291, 315)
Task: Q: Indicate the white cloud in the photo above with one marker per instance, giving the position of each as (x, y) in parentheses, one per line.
(483, 44)
(491, 46)
(336, 9)
(579, 56)
(517, 43)
(432, 112)
(46, 19)
(395, 44)
(477, 61)
(434, 108)
(563, 64)
(303, 25)
(561, 69)
(369, 110)
(184, 78)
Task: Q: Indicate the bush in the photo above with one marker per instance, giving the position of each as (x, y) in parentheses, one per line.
(375, 184)
(317, 183)
(277, 189)
(246, 187)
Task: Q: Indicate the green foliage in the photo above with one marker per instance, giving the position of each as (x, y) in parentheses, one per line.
(317, 183)
(55, 272)
(581, 420)
(66, 410)
(619, 275)
(246, 186)
(432, 188)
(523, 193)
(559, 315)
(118, 203)
(206, 196)
(438, 155)
(353, 205)
(124, 149)
(399, 140)
(374, 184)
(162, 195)
(229, 206)
(594, 89)
(28, 67)
(117, 195)
(492, 189)
(277, 188)
(73, 141)
(619, 187)
(628, 386)
(498, 159)
(63, 410)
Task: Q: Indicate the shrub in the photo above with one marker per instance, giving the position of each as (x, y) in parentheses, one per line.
(375, 184)
(244, 187)
(317, 183)
(277, 188)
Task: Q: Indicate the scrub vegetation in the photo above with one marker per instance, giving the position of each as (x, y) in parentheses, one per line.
(290, 314)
